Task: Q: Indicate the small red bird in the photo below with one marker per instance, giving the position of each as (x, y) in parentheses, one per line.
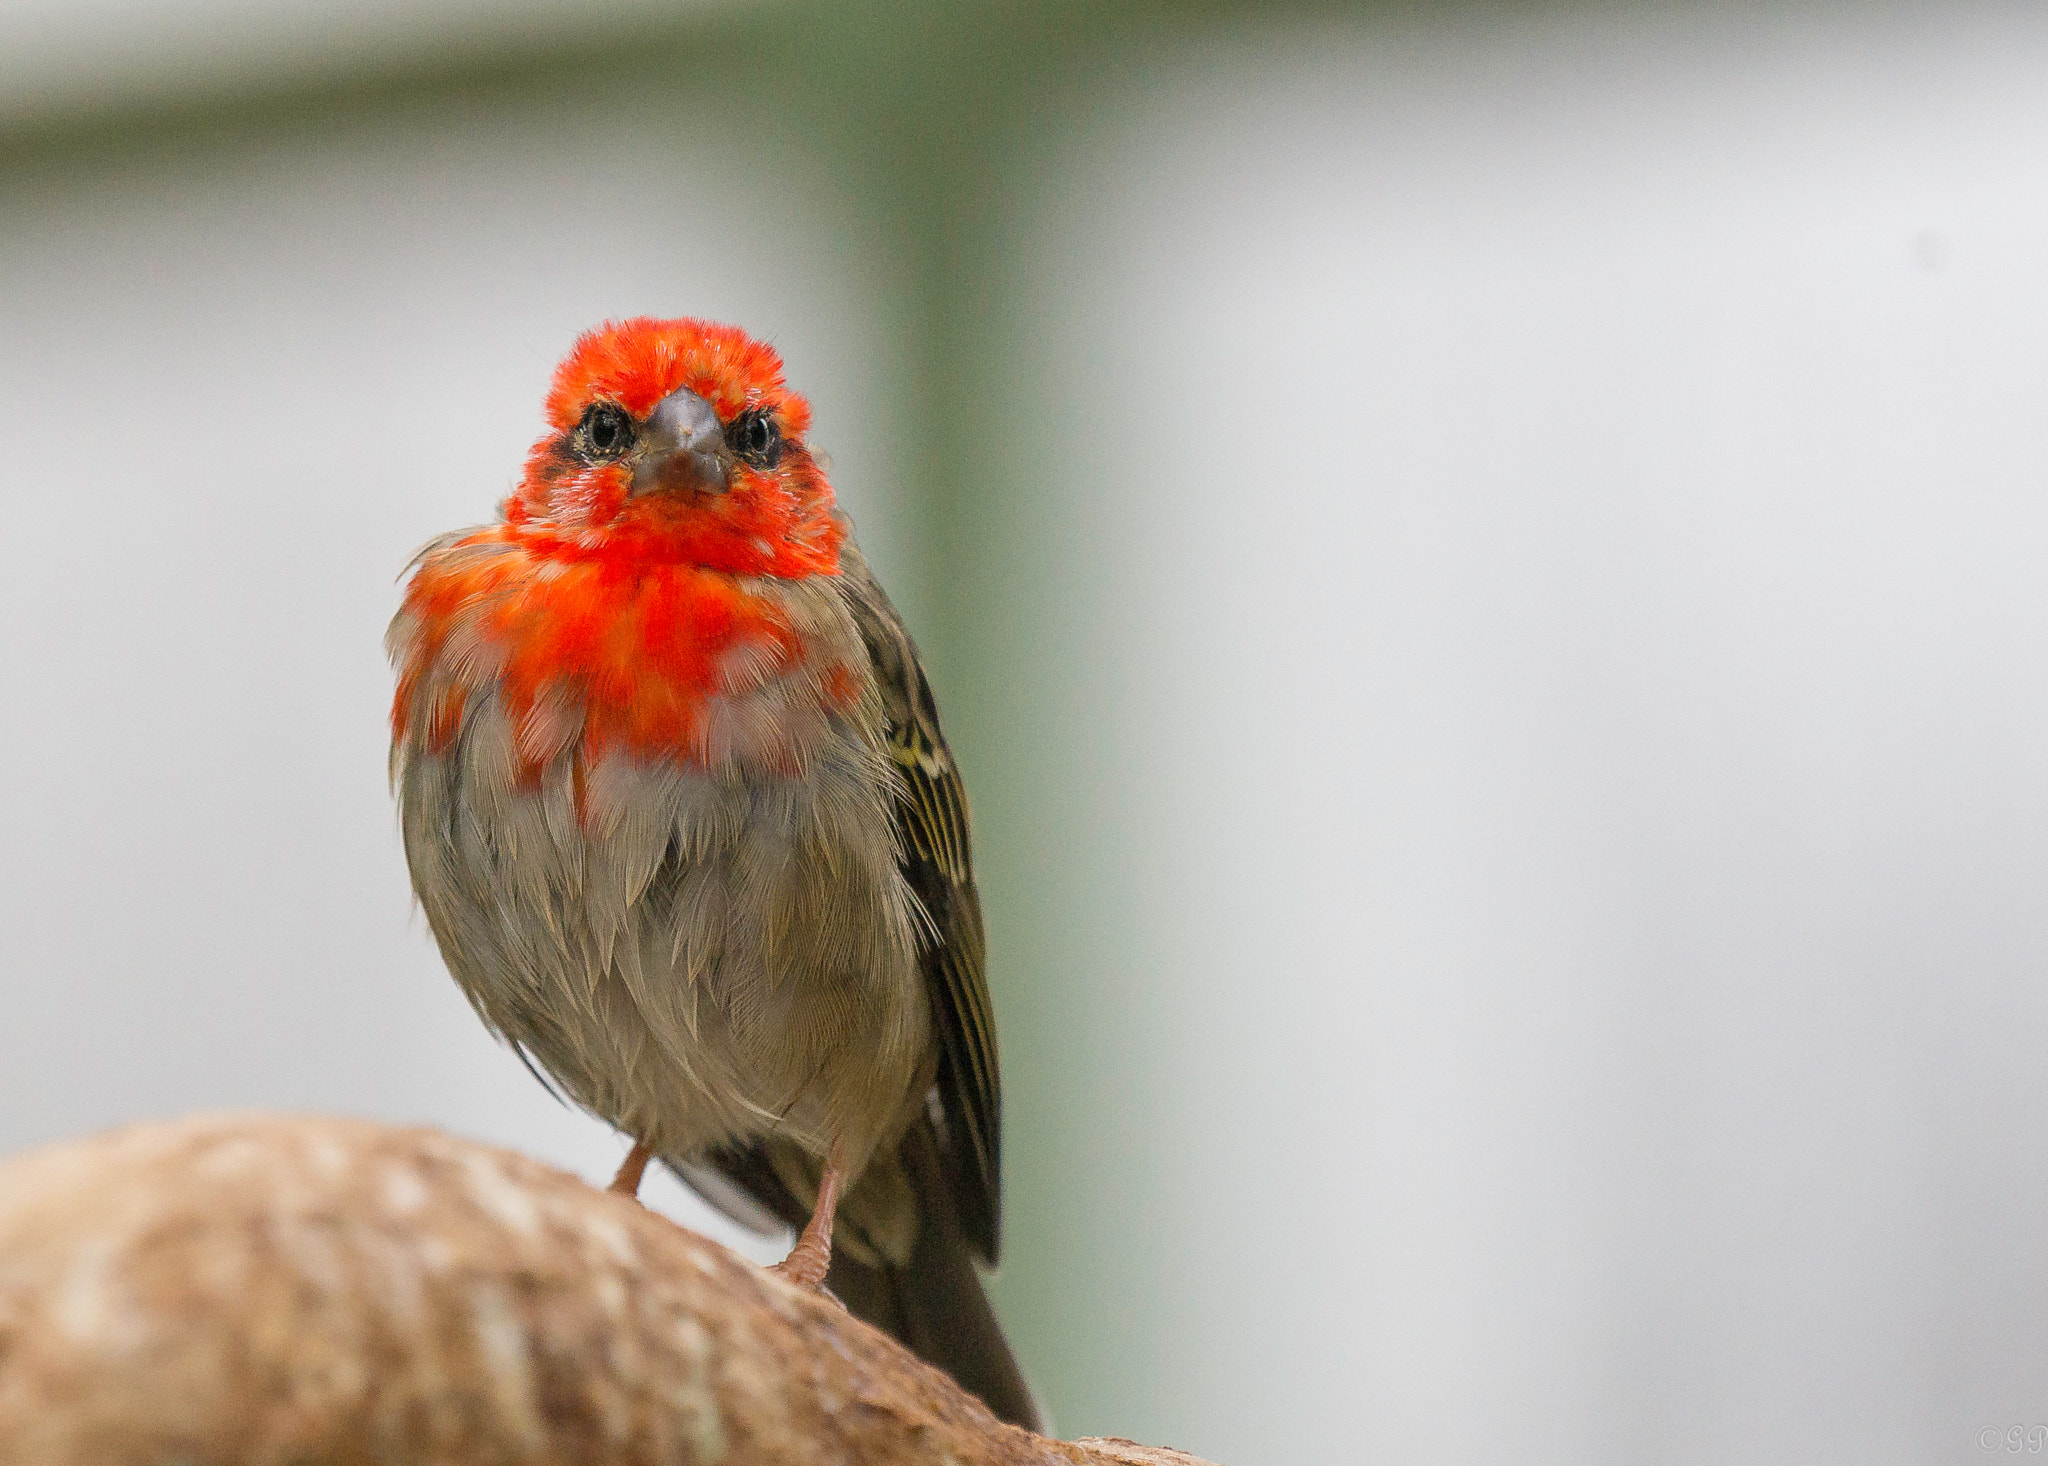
(678, 809)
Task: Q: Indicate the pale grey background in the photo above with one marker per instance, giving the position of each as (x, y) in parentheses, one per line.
(1486, 568)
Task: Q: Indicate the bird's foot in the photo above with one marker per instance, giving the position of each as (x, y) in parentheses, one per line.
(806, 1267)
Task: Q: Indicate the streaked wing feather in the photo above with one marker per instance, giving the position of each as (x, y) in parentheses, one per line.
(932, 820)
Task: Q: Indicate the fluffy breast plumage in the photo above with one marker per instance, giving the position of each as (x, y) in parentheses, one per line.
(648, 813)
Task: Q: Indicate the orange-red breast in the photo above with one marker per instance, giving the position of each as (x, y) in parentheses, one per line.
(679, 812)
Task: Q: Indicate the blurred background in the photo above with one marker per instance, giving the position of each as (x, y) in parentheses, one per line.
(1485, 564)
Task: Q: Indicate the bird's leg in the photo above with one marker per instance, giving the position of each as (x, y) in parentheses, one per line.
(811, 1258)
(627, 1182)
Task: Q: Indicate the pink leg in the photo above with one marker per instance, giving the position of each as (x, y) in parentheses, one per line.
(811, 1258)
(627, 1182)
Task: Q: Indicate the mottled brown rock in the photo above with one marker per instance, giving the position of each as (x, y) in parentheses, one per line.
(291, 1290)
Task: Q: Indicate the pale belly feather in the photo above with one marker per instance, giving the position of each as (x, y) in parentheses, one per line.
(697, 957)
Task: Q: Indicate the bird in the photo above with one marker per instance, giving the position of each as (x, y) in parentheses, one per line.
(678, 810)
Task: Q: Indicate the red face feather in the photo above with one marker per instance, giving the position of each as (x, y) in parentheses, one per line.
(635, 606)
(773, 522)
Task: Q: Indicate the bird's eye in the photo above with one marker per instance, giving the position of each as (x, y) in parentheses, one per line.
(755, 438)
(605, 432)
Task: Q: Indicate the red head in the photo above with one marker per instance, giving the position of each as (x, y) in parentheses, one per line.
(676, 442)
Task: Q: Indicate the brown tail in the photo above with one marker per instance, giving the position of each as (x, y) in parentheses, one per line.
(935, 1305)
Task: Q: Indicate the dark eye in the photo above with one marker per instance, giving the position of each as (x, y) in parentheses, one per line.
(754, 437)
(605, 432)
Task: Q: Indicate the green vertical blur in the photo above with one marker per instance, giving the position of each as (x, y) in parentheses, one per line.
(942, 108)
(932, 107)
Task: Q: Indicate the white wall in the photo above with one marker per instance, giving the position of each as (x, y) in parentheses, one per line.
(1524, 736)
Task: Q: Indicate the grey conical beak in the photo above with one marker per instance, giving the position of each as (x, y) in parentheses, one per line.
(681, 446)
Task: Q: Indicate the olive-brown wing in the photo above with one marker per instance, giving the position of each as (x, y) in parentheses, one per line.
(937, 861)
